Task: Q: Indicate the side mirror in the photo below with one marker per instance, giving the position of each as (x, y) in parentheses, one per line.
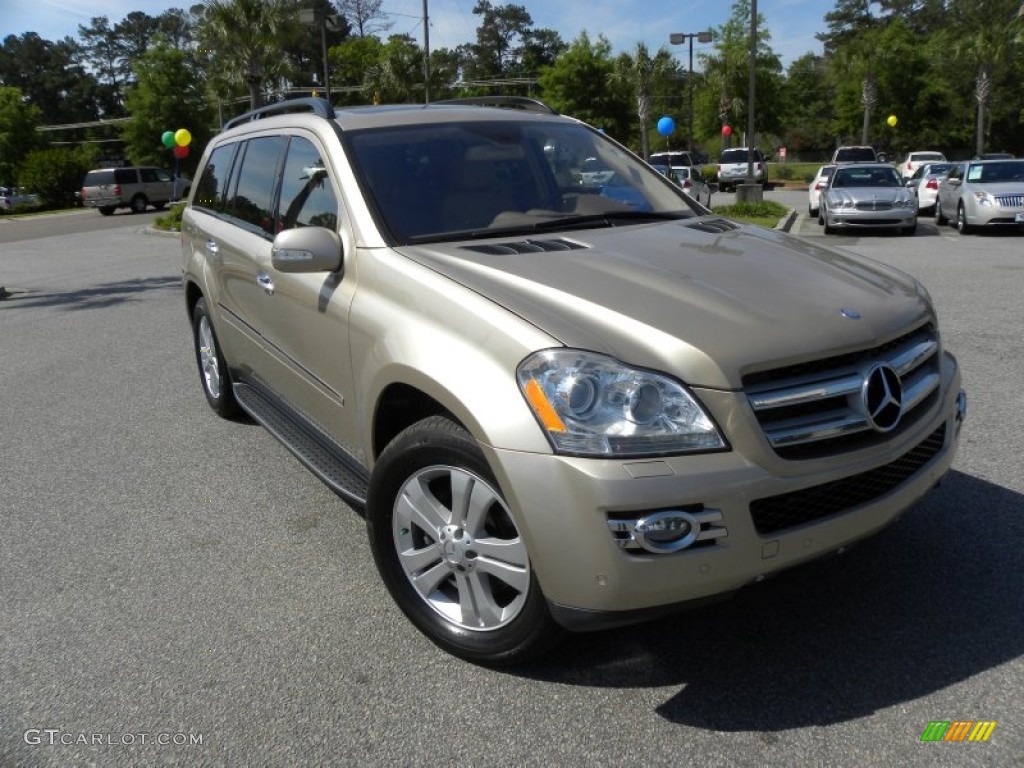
(307, 249)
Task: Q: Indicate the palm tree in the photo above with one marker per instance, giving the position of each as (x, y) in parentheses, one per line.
(245, 40)
(639, 70)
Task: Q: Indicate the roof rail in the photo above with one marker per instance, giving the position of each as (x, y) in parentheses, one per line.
(318, 106)
(508, 102)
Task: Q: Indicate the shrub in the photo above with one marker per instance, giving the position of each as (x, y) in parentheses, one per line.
(55, 174)
(170, 221)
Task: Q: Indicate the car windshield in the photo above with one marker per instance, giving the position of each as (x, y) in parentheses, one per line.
(866, 177)
(487, 178)
(995, 173)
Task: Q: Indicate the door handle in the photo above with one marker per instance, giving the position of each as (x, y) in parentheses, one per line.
(265, 283)
(211, 246)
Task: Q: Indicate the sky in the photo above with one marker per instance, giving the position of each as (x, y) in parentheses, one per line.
(792, 24)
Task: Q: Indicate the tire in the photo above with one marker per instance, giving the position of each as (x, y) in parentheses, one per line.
(213, 369)
(939, 218)
(477, 598)
(138, 204)
(961, 221)
(909, 231)
(107, 210)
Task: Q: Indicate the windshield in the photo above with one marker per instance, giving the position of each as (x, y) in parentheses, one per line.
(478, 179)
(995, 173)
(861, 176)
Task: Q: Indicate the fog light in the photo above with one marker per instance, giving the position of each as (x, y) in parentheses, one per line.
(666, 531)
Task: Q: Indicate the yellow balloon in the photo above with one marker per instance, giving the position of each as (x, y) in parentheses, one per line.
(182, 137)
(892, 121)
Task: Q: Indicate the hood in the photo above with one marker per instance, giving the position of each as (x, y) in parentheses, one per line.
(706, 300)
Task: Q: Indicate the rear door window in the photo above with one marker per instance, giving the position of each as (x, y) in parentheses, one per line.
(253, 198)
(126, 176)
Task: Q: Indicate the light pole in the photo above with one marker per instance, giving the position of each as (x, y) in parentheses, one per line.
(678, 38)
(325, 21)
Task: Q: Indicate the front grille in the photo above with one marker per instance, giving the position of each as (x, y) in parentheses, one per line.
(874, 205)
(819, 408)
(777, 513)
(1010, 201)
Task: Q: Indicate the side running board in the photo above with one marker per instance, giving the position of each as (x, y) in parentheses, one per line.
(324, 458)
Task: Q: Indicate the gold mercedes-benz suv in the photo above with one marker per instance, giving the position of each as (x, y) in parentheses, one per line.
(561, 405)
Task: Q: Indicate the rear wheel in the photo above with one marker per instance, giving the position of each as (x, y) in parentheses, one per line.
(448, 550)
(213, 369)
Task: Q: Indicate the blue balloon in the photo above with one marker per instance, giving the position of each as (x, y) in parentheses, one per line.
(666, 125)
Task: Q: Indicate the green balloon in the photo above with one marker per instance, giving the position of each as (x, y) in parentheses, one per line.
(168, 139)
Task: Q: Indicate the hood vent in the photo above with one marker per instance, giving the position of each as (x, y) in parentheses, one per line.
(714, 225)
(525, 246)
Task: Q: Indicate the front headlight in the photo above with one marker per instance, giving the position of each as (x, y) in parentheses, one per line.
(593, 405)
(982, 197)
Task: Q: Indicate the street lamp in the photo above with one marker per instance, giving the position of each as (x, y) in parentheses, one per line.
(325, 21)
(678, 38)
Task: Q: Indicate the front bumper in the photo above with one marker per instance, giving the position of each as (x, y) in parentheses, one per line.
(852, 218)
(563, 506)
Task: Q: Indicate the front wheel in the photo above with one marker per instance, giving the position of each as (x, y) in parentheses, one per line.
(961, 221)
(448, 550)
(107, 210)
(939, 218)
(138, 204)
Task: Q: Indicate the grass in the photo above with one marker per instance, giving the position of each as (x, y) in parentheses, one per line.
(766, 213)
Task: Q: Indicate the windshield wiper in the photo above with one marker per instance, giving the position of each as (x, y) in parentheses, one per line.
(609, 219)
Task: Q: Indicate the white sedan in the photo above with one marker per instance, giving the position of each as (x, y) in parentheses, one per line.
(817, 186)
(925, 183)
(982, 193)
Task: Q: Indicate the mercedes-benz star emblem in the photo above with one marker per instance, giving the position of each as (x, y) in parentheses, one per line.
(882, 395)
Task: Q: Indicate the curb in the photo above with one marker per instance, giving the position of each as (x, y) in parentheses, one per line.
(786, 222)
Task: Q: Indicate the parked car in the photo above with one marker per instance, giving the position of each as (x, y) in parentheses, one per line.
(135, 187)
(556, 410)
(593, 172)
(867, 196)
(732, 168)
(914, 160)
(982, 193)
(676, 159)
(925, 184)
(10, 197)
(994, 156)
(817, 186)
(855, 154)
(689, 179)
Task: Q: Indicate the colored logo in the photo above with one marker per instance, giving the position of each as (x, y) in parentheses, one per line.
(958, 730)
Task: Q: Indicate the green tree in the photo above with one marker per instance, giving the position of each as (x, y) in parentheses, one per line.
(639, 71)
(507, 47)
(167, 96)
(18, 134)
(807, 107)
(50, 78)
(55, 174)
(245, 39)
(366, 17)
(578, 84)
(350, 62)
(724, 96)
(397, 76)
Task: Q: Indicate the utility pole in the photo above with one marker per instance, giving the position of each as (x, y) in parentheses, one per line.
(426, 54)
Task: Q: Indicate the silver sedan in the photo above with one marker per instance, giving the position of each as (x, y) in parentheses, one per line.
(867, 196)
(982, 193)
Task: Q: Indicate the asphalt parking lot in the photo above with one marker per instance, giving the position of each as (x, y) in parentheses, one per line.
(178, 590)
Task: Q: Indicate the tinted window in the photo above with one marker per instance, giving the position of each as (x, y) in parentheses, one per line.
(211, 190)
(307, 198)
(253, 200)
(739, 156)
(98, 178)
(126, 176)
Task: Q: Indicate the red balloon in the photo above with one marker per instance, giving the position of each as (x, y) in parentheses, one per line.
(726, 130)
(180, 152)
